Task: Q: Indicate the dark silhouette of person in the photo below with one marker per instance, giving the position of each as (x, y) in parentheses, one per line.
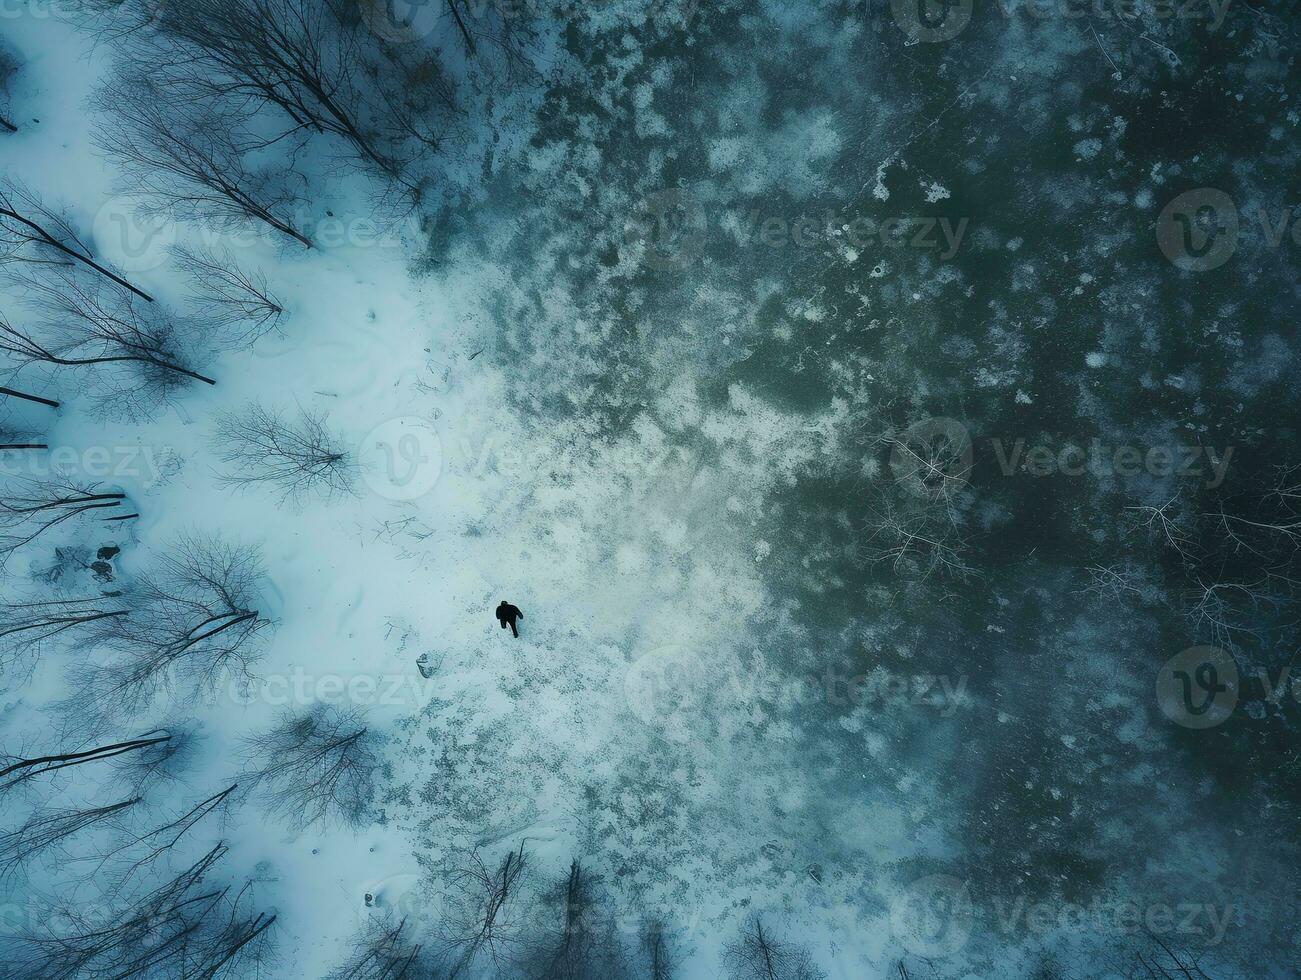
(507, 614)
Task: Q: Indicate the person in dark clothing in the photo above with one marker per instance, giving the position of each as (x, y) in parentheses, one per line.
(507, 614)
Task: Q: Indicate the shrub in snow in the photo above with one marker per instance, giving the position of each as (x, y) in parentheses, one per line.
(315, 765)
(192, 624)
(757, 954)
(295, 457)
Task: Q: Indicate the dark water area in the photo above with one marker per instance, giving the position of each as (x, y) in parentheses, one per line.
(1068, 323)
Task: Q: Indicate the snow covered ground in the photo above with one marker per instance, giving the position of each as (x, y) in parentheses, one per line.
(561, 740)
(729, 699)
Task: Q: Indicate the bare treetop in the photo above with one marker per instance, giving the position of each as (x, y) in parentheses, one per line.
(32, 232)
(294, 456)
(231, 300)
(192, 624)
(137, 355)
(190, 924)
(316, 765)
(8, 68)
(190, 160)
(30, 508)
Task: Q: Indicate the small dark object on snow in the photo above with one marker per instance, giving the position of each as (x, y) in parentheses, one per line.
(424, 666)
(108, 552)
(370, 900)
(507, 614)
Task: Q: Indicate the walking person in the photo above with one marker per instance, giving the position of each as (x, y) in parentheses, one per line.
(507, 614)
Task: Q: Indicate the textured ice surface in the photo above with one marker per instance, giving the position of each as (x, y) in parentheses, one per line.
(755, 675)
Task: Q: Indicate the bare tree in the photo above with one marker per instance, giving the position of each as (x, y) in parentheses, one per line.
(140, 356)
(478, 932)
(161, 763)
(116, 20)
(757, 954)
(185, 927)
(16, 430)
(293, 55)
(17, 771)
(8, 68)
(11, 393)
(15, 440)
(48, 830)
(917, 536)
(1165, 522)
(1153, 957)
(659, 956)
(932, 459)
(35, 233)
(30, 508)
(1238, 555)
(488, 29)
(191, 624)
(120, 863)
(1121, 580)
(29, 628)
(382, 952)
(297, 68)
(317, 765)
(229, 299)
(186, 159)
(583, 943)
(296, 457)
